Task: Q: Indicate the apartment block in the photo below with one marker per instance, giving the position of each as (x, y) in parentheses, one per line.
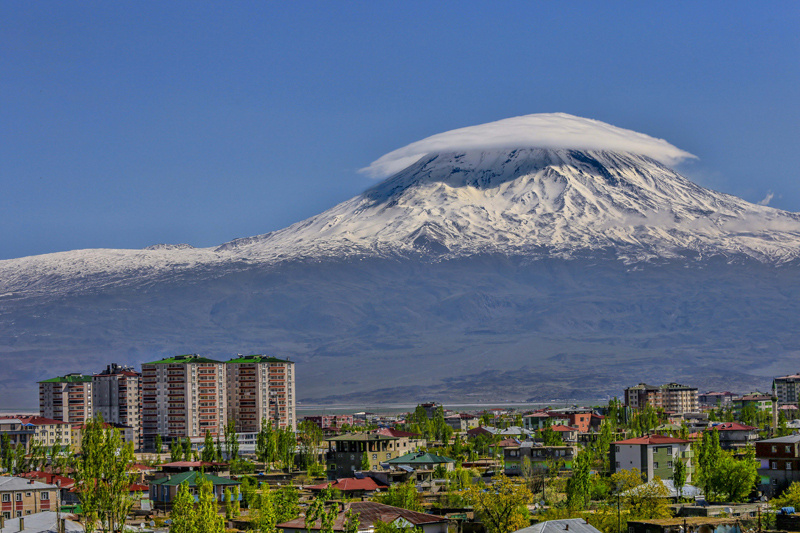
(672, 397)
(26, 430)
(67, 398)
(116, 396)
(787, 389)
(183, 396)
(21, 497)
(260, 387)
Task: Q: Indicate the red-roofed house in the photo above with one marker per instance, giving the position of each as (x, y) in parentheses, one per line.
(350, 486)
(733, 435)
(568, 433)
(406, 442)
(653, 455)
(371, 512)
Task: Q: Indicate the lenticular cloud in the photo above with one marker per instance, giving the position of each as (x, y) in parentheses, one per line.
(545, 130)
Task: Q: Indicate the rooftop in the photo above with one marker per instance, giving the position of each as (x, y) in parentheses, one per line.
(574, 525)
(368, 514)
(8, 483)
(350, 484)
(183, 359)
(361, 437)
(256, 358)
(190, 478)
(69, 378)
(420, 458)
(790, 439)
(653, 439)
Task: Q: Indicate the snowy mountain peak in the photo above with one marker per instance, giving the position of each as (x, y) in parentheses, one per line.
(544, 130)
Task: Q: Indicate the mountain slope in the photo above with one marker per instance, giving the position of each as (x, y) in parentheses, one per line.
(540, 256)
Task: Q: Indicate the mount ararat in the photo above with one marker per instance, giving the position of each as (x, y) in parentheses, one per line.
(538, 257)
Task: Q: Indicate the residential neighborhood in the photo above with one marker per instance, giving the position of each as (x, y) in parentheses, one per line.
(183, 432)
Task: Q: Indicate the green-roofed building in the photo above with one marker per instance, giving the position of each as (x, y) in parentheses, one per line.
(67, 398)
(183, 396)
(164, 490)
(423, 460)
(260, 387)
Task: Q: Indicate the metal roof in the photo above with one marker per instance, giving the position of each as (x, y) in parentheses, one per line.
(573, 525)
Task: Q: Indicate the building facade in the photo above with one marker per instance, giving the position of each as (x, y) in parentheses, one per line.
(22, 497)
(787, 389)
(652, 455)
(183, 396)
(346, 451)
(116, 396)
(672, 397)
(67, 398)
(779, 463)
(259, 388)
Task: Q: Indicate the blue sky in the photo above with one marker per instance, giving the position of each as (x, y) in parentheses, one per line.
(125, 124)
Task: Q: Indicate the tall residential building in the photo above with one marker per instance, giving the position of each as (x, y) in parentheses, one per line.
(116, 396)
(787, 389)
(672, 397)
(183, 396)
(260, 387)
(67, 398)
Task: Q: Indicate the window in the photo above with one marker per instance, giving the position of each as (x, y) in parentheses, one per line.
(19, 513)
(45, 496)
(27, 494)
(774, 465)
(617, 449)
(617, 464)
(669, 464)
(375, 456)
(788, 465)
(774, 449)
(788, 449)
(669, 450)
(7, 514)
(7, 498)
(18, 496)
(388, 456)
(655, 465)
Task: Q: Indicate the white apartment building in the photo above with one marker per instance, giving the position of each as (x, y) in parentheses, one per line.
(67, 398)
(260, 387)
(116, 397)
(183, 396)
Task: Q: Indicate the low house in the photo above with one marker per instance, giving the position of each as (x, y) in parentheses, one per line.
(572, 525)
(779, 463)
(345, 452)
(369, 513)
(735, 436)
(567, 433)
(652, 455)
(21, 497)
(351, 487)
(164, 490)
(423, 461)
(541, 457)
(406, 442)
(461, 422)
(40, 522)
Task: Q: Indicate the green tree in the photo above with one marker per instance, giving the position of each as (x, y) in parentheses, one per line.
(733, 479)
(182, 513)
(679, 475)
(579, 486)
(207, 517)
(159, 444)
(228, 503)
(365, 461)
(175, 450)
(236, 503)
(187, 449)
(265, 513)
(708, 456)
(231, 442)
(209, 454)
(789, 498)
(102, 480)
(641, 501)
(286, 446)
(502, 506)
(402, 495)
(309, 436)
(351, 521)
(551, 437)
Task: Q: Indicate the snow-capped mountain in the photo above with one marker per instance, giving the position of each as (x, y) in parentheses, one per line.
(525, 186)
(488, 261)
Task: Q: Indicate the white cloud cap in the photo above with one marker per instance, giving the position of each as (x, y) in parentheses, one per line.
(544, 130)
